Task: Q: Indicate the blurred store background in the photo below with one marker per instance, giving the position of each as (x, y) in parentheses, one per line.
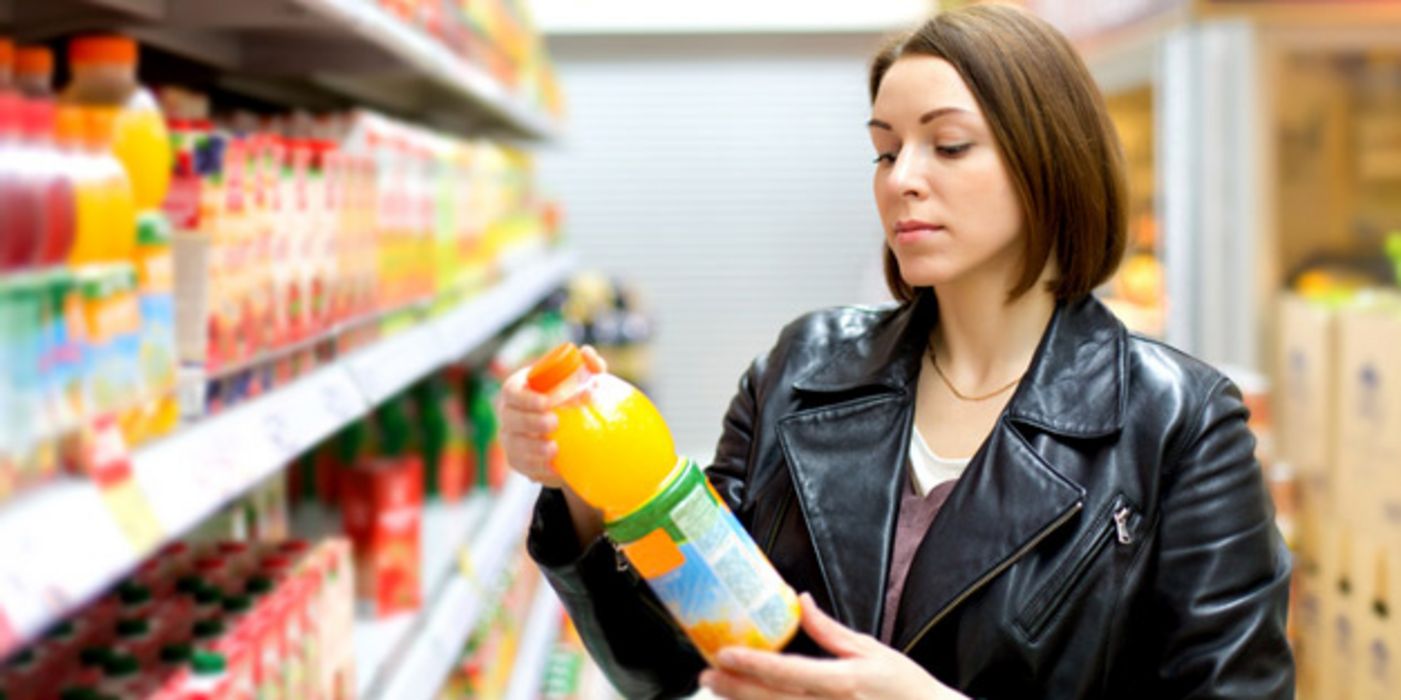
(267, 409)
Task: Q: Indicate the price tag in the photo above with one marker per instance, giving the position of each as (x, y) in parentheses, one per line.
(280, 431)
(339, 400)
(110, 466)
(365, 368)
(133, 515)
(466, 568)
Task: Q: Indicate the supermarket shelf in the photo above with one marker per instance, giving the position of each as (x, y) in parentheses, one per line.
(418, 668)
(537, 640)
(307, 49)
(48, 569)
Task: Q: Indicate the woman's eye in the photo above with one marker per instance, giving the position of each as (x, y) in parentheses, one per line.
(887, 157)
(954, 150)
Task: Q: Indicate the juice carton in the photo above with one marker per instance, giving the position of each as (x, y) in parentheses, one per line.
(381, 506)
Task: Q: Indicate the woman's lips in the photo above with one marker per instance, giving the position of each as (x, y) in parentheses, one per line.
(914, 232)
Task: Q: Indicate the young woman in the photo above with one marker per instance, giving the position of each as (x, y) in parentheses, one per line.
(991, 485)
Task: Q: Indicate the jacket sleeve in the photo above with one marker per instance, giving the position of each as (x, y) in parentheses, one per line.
(622, 623)
(1222, 570)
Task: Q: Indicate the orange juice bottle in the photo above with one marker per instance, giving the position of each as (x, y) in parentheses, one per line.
(117, 216)
(104, 73)
(616, 452)
(106, 218)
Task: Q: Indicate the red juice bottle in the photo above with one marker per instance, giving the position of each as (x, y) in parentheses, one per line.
(20, 198)
(53, 183)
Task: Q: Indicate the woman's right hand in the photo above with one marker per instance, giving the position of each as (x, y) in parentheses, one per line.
(526, 424)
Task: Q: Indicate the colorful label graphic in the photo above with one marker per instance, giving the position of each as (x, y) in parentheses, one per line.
(706, 568)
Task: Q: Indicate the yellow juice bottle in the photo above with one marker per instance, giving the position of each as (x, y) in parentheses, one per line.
(616, 453)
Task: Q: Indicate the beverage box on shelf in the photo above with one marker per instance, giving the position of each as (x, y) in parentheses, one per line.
(382, 513)
(1305, 409)
(1369, 414)
(208, 620)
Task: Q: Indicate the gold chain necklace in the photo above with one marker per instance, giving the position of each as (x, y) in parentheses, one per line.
(934, 360)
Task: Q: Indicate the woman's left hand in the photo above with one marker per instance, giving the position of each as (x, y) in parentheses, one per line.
(863, 668)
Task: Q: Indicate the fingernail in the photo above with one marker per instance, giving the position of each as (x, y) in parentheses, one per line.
(725, 657)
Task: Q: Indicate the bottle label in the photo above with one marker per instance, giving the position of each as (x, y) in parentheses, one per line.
(705, 567)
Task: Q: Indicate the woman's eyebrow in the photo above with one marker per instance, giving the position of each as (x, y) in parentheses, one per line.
(925, 118)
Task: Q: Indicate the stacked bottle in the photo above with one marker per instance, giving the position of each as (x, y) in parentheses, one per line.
(76, 272)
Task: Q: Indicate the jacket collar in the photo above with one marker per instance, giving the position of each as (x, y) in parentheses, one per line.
(1075, 385)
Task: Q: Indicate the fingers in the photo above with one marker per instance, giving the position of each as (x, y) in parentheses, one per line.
(791, 672)
(533, 423)
(827, 632)
(595, 361)
(516, 395)
(737, 687)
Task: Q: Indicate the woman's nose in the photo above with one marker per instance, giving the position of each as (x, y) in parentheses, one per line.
(907, 176)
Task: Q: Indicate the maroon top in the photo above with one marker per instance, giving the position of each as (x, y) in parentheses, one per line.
(915, 515)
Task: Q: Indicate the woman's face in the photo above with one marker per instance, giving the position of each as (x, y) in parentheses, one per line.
(947, 205)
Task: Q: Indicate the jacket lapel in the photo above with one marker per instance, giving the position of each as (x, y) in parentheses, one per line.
(847, 450)
(1010, 497)
(1007, 500)
(846, 462)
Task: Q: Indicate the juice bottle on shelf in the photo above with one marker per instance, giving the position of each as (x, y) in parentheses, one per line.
(34, 71)
(21, 197)
(106, 215)
(53, 182)
(64, 358)
(37, 454)
(156, 283)
(104, 74)
(447, 450)
(112, 318)
(17, 426)
(616, 453)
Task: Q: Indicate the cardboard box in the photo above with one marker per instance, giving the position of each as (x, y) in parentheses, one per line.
(1337, 658)
(1369, 415)
(1377, 669)
(1305, 410)
(1307, 638)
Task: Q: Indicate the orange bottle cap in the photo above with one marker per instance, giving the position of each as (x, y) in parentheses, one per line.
(102, 49)
(34, 60)
(556, 366)
(7, 52)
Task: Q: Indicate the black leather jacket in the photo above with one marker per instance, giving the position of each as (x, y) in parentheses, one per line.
(1112, 538)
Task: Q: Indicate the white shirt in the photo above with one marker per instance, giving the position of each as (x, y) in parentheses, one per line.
(927, 469)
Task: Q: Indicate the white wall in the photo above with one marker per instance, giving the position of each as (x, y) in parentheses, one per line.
(651, 16)
(730, 178)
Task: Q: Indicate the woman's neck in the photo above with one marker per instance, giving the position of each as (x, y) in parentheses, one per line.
(982, 339)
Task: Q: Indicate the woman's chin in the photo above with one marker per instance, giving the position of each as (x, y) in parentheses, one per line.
(928, 275)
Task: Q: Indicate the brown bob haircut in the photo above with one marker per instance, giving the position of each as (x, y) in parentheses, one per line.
(1053, 133)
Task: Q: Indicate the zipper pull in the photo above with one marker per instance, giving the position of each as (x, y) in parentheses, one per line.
(1121, 524)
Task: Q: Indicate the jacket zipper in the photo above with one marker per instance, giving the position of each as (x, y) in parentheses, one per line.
(990, 575)
(1118, 526)
(778, 522)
